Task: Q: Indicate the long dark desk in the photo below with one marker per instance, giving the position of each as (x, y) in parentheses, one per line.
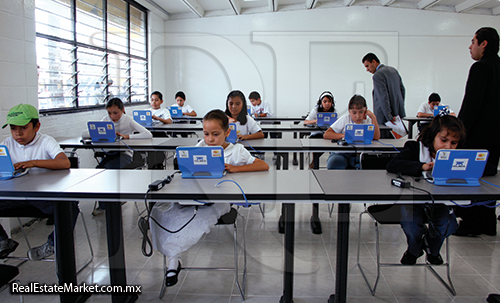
(276, 186)
(412, 121)
(48, 185)
(374, 185)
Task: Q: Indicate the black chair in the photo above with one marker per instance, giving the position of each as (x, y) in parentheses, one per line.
(391, 214)
(229, 218)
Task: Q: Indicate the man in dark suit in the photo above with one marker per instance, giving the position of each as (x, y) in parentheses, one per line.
(479, 113)
(388, 92)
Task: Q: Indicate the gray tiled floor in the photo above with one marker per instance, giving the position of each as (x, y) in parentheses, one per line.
(475, 263)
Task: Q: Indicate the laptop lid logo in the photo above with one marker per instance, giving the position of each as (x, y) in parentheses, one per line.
(459, 164)
(200, 160)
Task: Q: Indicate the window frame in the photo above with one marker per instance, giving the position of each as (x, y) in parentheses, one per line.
(75, 45)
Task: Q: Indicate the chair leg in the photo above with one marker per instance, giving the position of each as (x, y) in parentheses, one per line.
(88, 241)
(448, 285)
(262, 208)
(330, 209)
(163, 289)
(377, 248)
(241, 287)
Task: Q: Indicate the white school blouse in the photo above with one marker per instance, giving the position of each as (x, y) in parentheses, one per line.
(262, 108)
(234, 154)
(339, 125)
(43, 147)
(251, 127)
(185, 109)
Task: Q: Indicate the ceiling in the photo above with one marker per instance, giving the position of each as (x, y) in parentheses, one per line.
(188, 9)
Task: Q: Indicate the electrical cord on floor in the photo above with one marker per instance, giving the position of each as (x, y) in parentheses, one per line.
(143, 222)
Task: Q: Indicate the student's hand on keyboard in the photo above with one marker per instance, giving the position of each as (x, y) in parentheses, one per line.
(25, 164)
(428, 166)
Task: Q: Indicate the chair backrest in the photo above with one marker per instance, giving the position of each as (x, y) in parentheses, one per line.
(386, 213)
(376, 160)
(9, 272)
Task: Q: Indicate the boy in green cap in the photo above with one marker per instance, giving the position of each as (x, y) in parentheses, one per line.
(27, 149)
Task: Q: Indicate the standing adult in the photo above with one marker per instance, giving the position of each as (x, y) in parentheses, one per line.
(388, 92)
(479, 113)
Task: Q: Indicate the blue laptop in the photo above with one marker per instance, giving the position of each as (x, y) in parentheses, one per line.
(438, 109)
(201, 161)
(233, 134)
(458, 167)
(7, 170)
(175, 111)
(359, 133)
(326, 119)
(249, 110)
(143, 117)
(102, 131)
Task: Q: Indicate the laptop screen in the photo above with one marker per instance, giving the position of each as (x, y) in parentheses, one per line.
(359, 133)
(459, 167)
(102, 131)
(143, 117)
(201, 161)
(326, 119)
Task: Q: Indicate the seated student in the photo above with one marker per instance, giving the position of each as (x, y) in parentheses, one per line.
(180, 99)
(358, 114)
(445, 132)
(173, 215)
(160, 115)
(29, 148)
(325, 104)
(259, 108)
(426, 110)
(236, 110)
(127, 128)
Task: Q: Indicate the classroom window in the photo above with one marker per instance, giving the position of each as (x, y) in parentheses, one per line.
(89, 51)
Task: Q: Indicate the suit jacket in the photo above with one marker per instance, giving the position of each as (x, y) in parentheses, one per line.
(388, 94)
(480, 108)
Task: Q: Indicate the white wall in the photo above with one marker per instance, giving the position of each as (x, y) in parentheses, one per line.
(291, 57)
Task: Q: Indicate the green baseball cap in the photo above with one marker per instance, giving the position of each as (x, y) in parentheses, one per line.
(21, 115)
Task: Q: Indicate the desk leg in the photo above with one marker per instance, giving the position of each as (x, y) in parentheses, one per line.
(285, 160)
(65, 249)
(289, 209)
(342, 255)
(315, 221)
(116, 251)
(410, 129)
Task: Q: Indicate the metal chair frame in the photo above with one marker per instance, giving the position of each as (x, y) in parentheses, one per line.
(241, 286)
(449, 286)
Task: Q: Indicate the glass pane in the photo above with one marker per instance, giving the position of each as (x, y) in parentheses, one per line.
(55, 80)
(54, 18)
(117, 25)
(90, 24)
(139, 72)
(118, 77)
(137, 32)
(91, 80)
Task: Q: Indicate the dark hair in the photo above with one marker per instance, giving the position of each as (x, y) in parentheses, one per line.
(115, 101)
(254, 95)
(242, 116)
(357, 101)
(370, 57)
(219, 116)
(180, 94)
(329, 95)
(34, 121)
(434, 97)
(160, 96)
(438, 124)
(491, 35)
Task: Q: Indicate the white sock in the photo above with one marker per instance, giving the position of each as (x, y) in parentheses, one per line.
(173, 263)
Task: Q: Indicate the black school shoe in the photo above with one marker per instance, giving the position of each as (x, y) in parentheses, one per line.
(434, 260)
(6, 247)
(172, 280)
(409, 259)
